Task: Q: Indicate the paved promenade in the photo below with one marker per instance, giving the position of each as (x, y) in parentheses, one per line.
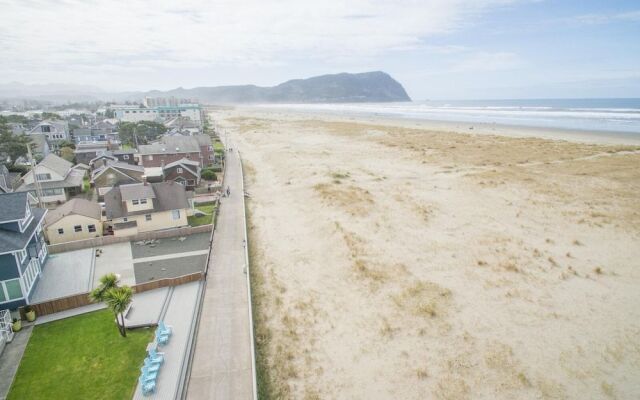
(222, 361)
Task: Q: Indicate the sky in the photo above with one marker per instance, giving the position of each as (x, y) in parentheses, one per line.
(438, 49)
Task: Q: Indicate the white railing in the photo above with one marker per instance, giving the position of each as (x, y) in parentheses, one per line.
(6, 333)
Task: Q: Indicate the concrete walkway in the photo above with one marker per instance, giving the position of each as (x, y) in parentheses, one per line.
(10, 360)
(222, 363)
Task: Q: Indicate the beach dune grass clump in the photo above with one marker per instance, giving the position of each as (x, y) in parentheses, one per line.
(82, 357)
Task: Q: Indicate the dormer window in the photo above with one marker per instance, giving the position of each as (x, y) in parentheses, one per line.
(43, 177)
(143, 201)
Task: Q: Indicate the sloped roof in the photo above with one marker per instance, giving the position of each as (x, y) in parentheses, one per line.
(13, 206)
(136, 191)
(167, 196)
(57, 164)
(189, 165)
(120, 166)
(74, 207)
(171, 144)
(12, 241)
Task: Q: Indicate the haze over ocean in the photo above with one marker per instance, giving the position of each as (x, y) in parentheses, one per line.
(605, 115)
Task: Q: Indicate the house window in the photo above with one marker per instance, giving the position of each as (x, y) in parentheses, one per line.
(91, 228)
(125, 219)
(135, 202)
(191, 182)
(150, 158)
(143, 201)
(77, 228)
(175, 214)
(210, 148)
(43, 177)
(125, 157)
(46, 128)
(60, 231)
(179, 170)
(147, 217)
(14, 291)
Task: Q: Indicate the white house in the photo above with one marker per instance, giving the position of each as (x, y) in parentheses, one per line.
(55, 131)
(57, 177)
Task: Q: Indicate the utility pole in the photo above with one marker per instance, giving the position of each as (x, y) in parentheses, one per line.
(36, 182)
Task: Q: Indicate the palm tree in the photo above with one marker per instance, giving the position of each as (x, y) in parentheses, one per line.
(118, 299)
(107, 282)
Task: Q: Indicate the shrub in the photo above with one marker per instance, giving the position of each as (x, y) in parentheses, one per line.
(208, 174)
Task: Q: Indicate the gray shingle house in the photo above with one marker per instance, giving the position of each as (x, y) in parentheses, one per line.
(23, 251)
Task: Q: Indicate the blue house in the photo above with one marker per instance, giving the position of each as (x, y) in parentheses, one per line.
(23, 251)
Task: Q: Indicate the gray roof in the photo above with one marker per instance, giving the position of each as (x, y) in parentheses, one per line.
(203, 140)
(39, 140)
(76, 207)
(119, 152)
(118, 165)
(12, 241)
(167, 196)
(189, 165)
(57, 164)
(73, 179)
(172, 144)
(12, 206)
(136, 191)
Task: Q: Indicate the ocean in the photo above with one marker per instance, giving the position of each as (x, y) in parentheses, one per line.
(605, 115)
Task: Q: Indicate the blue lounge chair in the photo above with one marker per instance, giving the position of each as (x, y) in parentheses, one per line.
(151, 366)
(161, 339)
(147, 385)
(164, 329)
(148, 375)
(154, 356)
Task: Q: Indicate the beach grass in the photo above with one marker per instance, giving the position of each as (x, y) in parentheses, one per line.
(82, 357)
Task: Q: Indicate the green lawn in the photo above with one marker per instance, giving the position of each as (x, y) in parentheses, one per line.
(82, 357)
(207, 208)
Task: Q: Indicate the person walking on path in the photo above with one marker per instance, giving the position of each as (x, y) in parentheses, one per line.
(228, 191)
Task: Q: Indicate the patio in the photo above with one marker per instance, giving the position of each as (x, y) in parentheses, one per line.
(65, 274)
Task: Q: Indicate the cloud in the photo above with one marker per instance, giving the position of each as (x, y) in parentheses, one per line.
(600, 19)
(487, 62)
(38, 36)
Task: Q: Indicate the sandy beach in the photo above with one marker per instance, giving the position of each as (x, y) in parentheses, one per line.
(396, 260)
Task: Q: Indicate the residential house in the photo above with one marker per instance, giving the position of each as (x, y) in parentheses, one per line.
(183, 126)
(115, 173)
(85, 152)
(57, 177)
(55, 131)
(23, 251)
(76, 219)
(185, 172)
(96, 135)
(174, 148)
(144, 207)
(123, 156)
(8, 180)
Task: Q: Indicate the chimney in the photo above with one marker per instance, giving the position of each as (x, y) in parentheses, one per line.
(144, 180)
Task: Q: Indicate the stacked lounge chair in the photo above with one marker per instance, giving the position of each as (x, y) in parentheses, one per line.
(154, 360)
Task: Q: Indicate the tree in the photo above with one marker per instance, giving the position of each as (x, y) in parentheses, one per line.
(12, 146)
(107, 282)
(68, 154)
(118, 299)
(143, 131)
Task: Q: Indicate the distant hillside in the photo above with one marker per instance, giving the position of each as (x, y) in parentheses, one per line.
(338, 88)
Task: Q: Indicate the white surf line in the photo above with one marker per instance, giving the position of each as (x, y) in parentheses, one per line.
(170, 256)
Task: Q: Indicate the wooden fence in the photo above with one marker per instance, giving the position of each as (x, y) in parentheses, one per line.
(82, 299)
(106, 240)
